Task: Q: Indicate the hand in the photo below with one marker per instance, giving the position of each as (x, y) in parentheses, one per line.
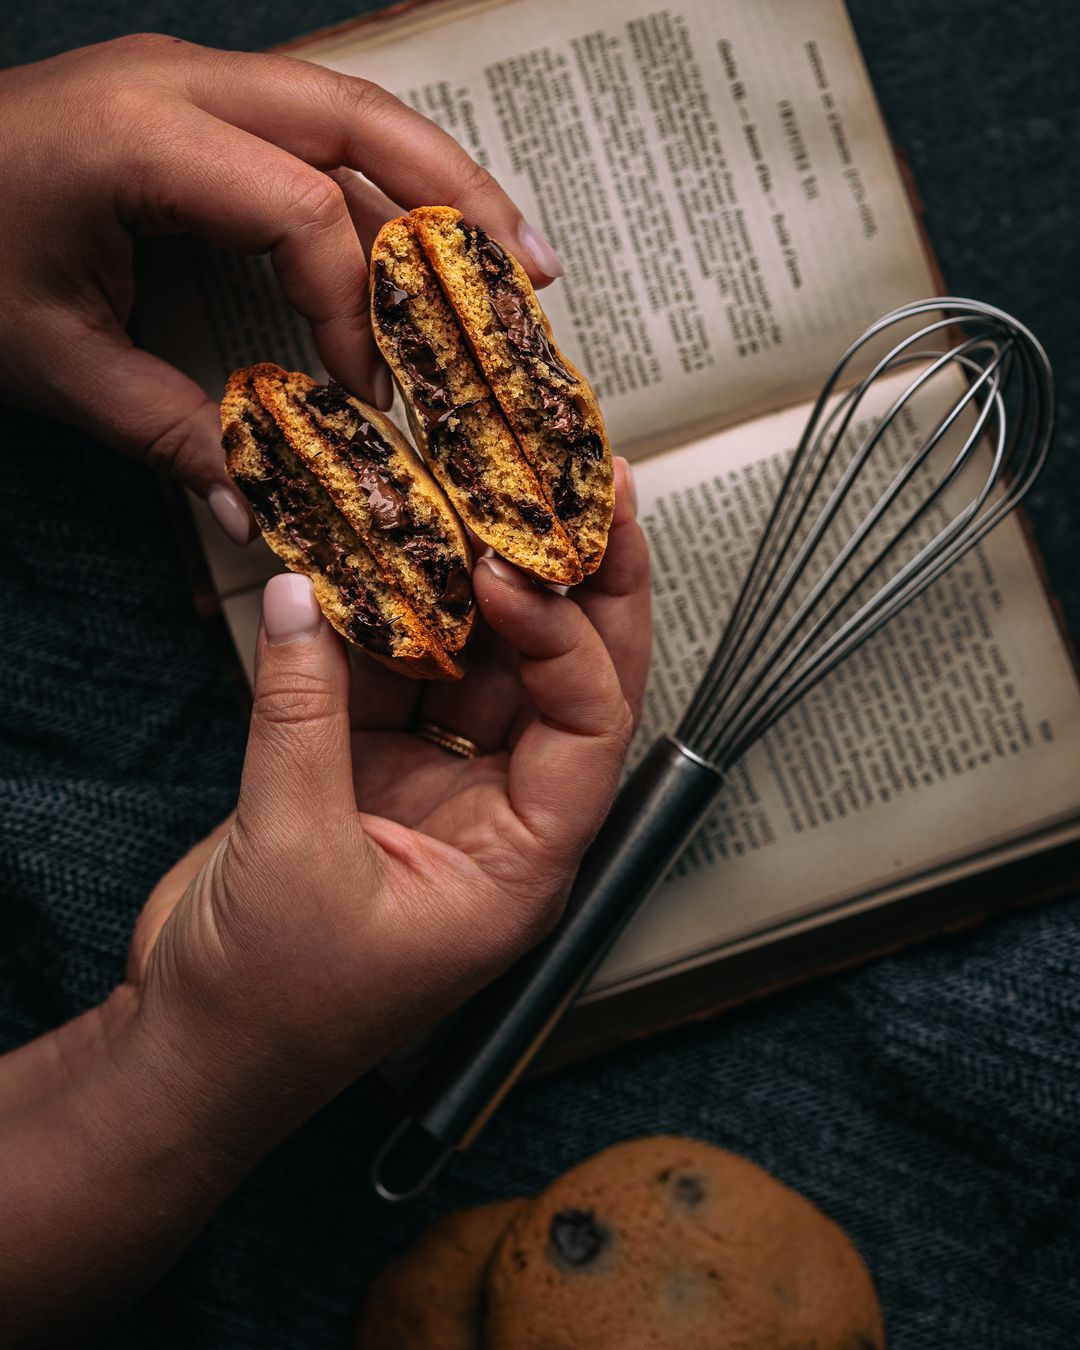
(152, 135)
(371, 881)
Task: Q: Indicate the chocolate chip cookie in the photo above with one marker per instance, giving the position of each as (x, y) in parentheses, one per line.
(669, 1242)
(431, 1296)
(510, 428)
(341, 497)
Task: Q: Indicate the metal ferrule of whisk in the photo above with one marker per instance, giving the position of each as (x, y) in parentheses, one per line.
(845, 548)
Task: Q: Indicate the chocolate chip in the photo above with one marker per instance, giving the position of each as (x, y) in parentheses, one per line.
(264, 433)
(371, 630)
(429, 387)
(567, 501)
(450, 443)
(523, 332)
(538, 520)
(388, 506)
(290, 503)
(457, 595)
(589, 446)
(562, 413)
(491, 256)
(389, 300)
(688, 1190)
(576, 1238)
(365, 441)
(260, 493)
(329, 399)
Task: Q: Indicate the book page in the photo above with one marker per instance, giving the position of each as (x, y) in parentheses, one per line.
(715, 177)
(955, 731)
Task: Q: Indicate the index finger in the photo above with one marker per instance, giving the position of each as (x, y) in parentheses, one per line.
(565, 765)
(333, 120)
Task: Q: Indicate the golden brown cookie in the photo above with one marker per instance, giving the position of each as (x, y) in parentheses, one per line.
(341, 497)
(511, 430)
(430, 1297)
(667, 1242)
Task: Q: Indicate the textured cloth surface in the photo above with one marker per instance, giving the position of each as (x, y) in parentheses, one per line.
(927, 1102)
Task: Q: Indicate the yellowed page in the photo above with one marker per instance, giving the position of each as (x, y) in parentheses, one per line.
(715, 176)
(955, 733)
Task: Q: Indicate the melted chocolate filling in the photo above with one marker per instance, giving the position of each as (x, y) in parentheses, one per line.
(575, 1238)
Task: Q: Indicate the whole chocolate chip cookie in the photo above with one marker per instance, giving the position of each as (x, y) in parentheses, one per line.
(430, 1297)
(670, 1242)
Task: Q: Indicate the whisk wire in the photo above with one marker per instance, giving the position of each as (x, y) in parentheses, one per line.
(778, 643)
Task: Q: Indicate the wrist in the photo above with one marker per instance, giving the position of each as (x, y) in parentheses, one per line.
(113, 1153)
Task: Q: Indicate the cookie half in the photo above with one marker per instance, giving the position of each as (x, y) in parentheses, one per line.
(547, 402)
(341, 497)
(431, 1296)
(456, 415)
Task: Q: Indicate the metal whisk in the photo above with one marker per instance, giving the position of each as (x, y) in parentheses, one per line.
(838, 558)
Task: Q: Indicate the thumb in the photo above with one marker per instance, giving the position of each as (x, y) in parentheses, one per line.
(141, 405)
(298, 765)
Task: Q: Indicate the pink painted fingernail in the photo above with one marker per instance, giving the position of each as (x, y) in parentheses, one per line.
(383, 388)
(506, 572)
(539, 252)
(631, 484)
(230, 513)
(290, 611)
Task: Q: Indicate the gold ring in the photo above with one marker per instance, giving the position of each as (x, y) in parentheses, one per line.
(446, 740)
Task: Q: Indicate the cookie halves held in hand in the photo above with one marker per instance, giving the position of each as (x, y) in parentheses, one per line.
(341, 497)
(510, 428)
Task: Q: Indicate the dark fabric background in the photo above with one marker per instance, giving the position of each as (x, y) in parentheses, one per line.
(928, 1102)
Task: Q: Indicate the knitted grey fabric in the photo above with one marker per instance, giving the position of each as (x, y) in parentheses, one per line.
(927, 1102)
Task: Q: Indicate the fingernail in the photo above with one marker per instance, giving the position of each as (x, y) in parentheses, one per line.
(631, 484)
(229, 512)
(539, 252)
(290, 610)
(383, 388)
(506, 572)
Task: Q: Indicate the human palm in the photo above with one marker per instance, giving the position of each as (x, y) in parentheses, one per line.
(371, 880)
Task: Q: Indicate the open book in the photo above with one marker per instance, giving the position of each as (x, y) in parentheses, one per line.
(721, 188)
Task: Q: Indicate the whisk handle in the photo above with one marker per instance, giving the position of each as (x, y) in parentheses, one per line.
(652, 819)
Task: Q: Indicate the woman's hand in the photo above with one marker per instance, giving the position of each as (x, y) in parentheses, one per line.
(367, 883)
(370, 881)
(152, 135)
